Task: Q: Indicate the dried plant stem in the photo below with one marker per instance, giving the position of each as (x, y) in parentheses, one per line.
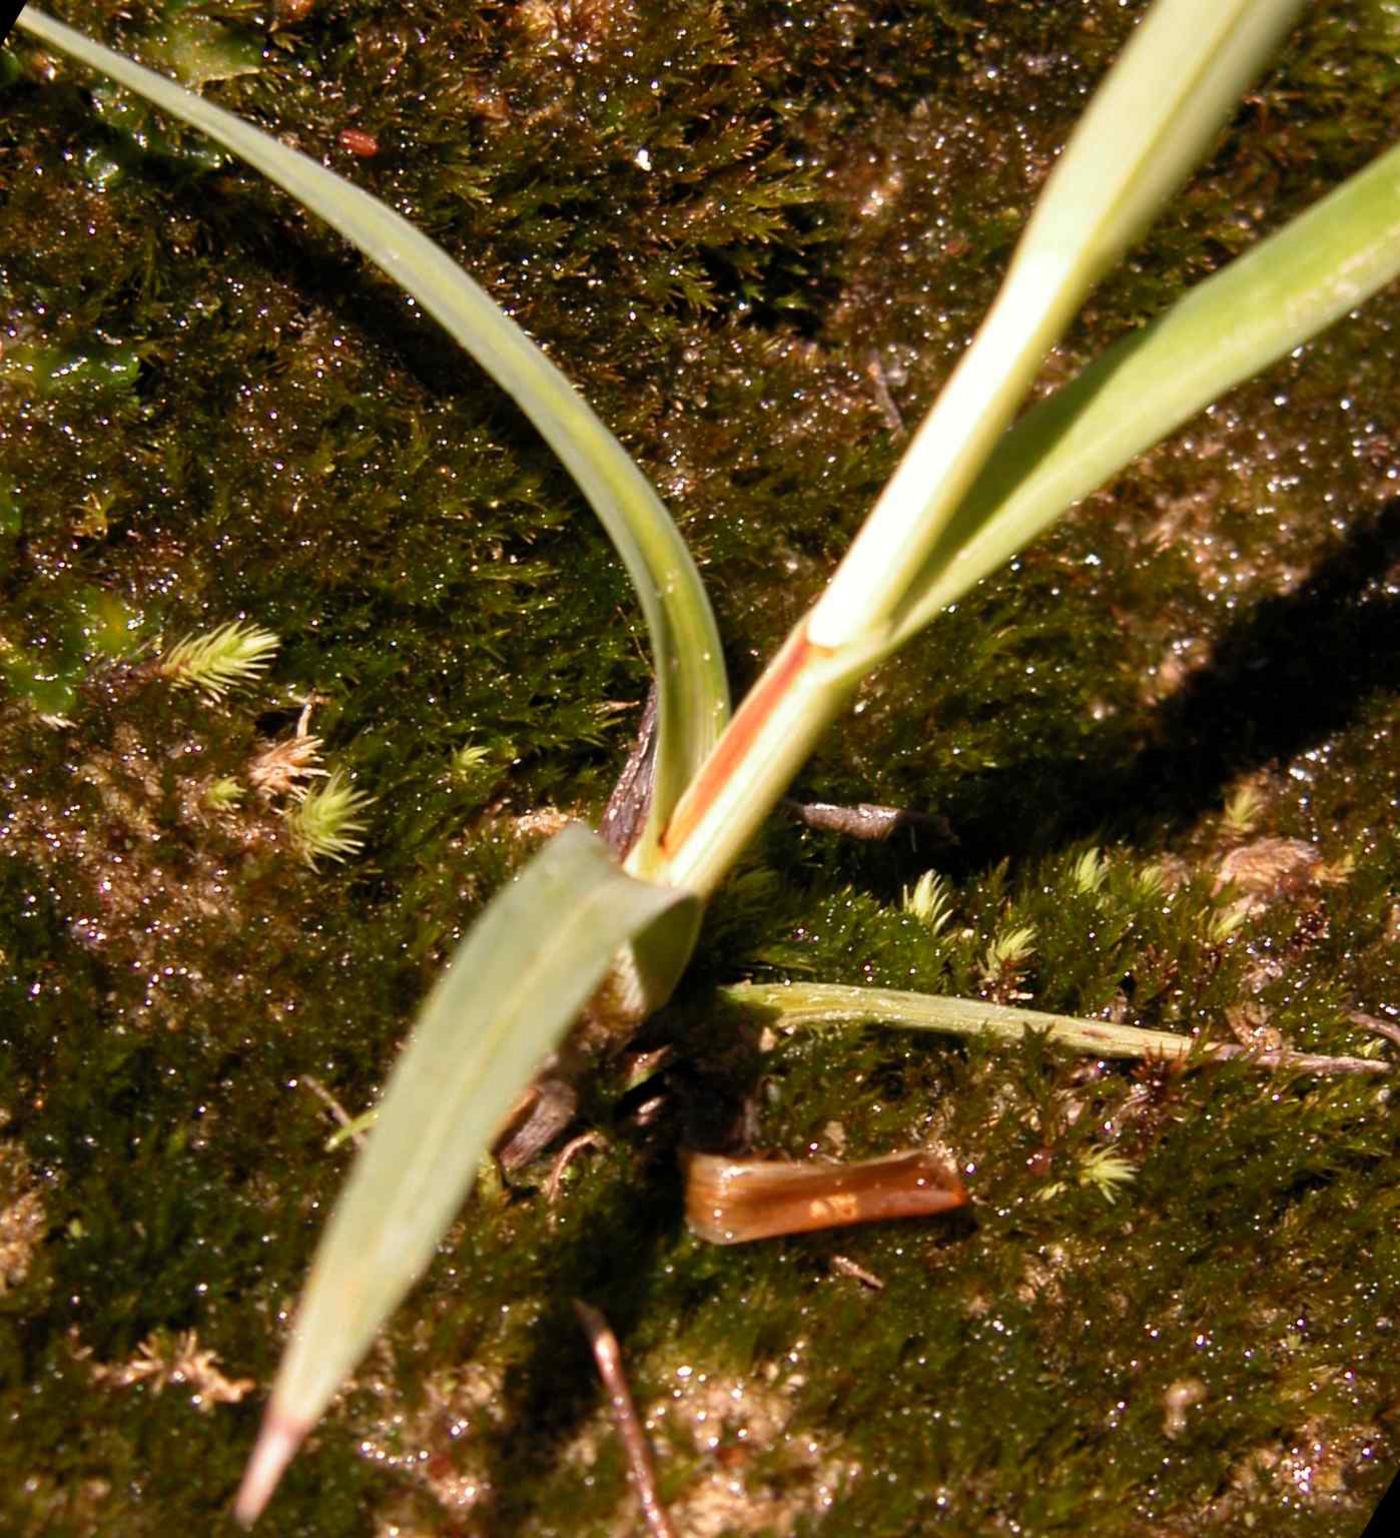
(1299, 1062)
(566, 1156)
(1375, 1024)
(848, 1267)
(350, 1127)
(640, 1468)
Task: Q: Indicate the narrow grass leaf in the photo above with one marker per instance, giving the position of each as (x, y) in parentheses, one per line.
(694, 699)
(1175, 83)
(838, 1004)
(1172, 87)
(517, 982)
(795, 1004)
(1293, 285)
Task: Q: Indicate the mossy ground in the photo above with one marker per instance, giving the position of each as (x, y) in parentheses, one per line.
(739, 228)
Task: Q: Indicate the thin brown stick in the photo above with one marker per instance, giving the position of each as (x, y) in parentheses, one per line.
(875, 373)
(565, 1157)
(1385, 1028)
(848, 1267)
(640, 1467)
(1303, 1062)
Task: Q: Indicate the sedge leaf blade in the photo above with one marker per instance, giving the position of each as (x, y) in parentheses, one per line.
(693, 703)
(529, 965)
(1286, 290)
(796, 1004)
(814, 1004)
(1150, 121)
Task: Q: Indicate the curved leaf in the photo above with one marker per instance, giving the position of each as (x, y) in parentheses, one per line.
(694, 699)
(1152, 117)
(1177, 80)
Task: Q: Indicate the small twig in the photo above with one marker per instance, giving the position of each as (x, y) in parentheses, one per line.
(565, 1157)
(1385, 1028)
(1304, 1062)
(847, 1267)
(875, 373)
(350, 1126)
(640, 1467)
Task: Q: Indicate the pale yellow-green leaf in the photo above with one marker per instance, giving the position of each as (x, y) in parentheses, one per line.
(1149, 123)
(1293, 285)
(791, 1005)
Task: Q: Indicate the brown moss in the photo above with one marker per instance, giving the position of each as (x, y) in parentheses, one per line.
(23, 1216)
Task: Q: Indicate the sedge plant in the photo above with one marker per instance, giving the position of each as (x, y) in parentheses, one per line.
(975, 485)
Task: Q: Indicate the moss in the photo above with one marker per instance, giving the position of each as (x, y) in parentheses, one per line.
(757, 236)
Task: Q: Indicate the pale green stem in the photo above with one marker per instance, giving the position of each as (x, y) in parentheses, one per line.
(769, 739)
(807, 1004)
(1146, 127)
(946, 453)
(838, 1004)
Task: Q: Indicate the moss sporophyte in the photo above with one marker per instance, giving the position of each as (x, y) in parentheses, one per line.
(1138, 820)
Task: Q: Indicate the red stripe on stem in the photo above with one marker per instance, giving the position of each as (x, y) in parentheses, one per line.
(797, 652)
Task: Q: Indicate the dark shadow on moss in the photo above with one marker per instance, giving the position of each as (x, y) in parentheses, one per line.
(1286, 677)
(1283, 678)
(614, 1260)
(327, 272)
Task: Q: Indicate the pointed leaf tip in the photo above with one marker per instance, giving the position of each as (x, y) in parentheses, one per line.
(278, 1440)
(517, 982)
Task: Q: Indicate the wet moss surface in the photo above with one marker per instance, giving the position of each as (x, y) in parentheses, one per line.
(757, 236)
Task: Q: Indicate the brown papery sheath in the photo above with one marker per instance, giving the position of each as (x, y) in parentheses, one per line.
(730, 1201)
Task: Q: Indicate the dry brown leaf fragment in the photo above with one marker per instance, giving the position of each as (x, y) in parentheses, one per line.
(164, 1361)
(279, 768)
(732, 1201)
(1271, 866)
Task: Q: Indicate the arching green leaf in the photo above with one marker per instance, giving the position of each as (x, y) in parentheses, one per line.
(1287, 289)
(694, 701)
